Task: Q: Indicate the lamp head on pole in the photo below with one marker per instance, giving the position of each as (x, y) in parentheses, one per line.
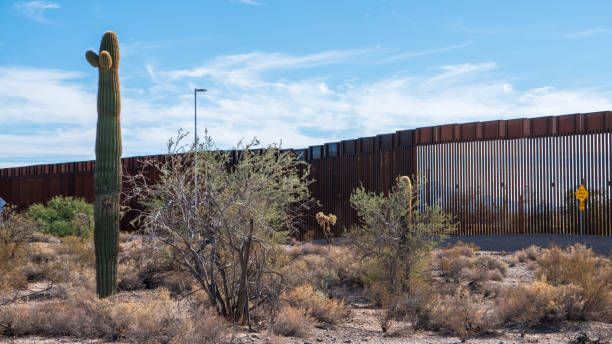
(200, 90)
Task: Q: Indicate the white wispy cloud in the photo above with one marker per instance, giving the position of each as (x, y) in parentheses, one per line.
(257, 62)
(588, 33)
(34, 10)
(248, 2)
(51, 116)
(415, 53)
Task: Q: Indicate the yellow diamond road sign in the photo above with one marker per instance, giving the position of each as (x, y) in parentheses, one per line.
(582, 193)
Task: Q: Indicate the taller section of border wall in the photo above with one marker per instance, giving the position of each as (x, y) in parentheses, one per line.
(497, 177)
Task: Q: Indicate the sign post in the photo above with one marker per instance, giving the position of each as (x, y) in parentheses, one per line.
(582, 194)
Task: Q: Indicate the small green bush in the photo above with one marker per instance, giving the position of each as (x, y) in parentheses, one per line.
(64, 216)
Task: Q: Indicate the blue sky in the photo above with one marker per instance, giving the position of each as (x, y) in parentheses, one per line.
(300, 72)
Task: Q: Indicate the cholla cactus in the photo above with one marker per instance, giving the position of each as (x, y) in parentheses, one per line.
(326, 221)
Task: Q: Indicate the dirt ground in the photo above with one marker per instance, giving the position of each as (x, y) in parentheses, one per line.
(361, 326)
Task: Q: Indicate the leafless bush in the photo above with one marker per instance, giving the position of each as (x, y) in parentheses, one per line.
(224, 229)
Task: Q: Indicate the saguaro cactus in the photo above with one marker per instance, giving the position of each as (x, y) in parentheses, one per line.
(107, 175)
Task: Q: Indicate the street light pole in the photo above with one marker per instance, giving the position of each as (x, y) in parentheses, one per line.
(195, 142)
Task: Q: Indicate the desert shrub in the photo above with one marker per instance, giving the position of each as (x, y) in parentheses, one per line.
(396, 232)
(152, 317)
(528, 254)
(481, 271)
(63, 216)
(15, 232)
(323, 267)
(206, 328)
(384, 317)
(317, 304)
(532, 252)
(145, 264)
(454, 259)
(460, 248)
(460, 315)
(529, 305)
(291, 322)
(453, 268)
(458, 264)
(487, 262)
(513, 261)
(418, 306)
(577, 265)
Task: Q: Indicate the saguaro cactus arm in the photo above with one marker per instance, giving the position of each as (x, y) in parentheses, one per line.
(92, 58)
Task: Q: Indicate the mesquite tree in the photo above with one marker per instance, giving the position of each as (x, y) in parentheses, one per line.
(107, 175)
(226, 237)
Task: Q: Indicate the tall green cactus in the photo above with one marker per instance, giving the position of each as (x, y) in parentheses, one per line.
(107, 176)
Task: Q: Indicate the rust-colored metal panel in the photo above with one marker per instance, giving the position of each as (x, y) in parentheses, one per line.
(540, 126)
(608, 121)
(405, 138)
(515, 128)
(425, 135)
(447, 133)
(594, 122)
(567, 124)
(436, 136)
(367, 144)
(468, 131)
(457, 132)
(348, 147)
(385, 142)
(491, 129)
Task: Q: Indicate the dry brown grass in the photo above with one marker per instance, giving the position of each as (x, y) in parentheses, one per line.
(317, 304)
(291, 322)
(150, 317)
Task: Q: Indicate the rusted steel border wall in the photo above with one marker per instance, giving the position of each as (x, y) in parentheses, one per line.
(506, 176)
(519, 176)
